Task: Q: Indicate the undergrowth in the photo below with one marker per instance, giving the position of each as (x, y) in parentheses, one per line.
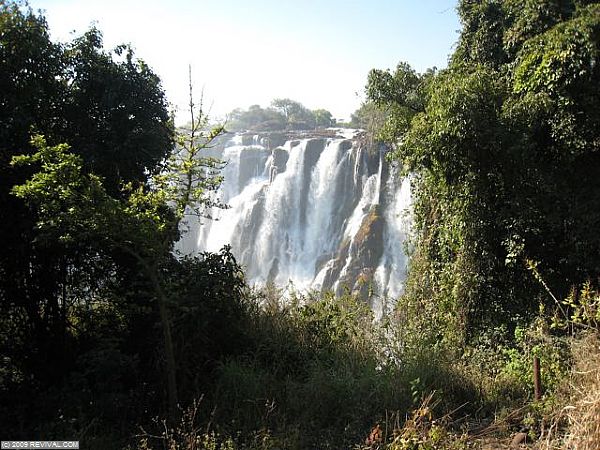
(318, 372)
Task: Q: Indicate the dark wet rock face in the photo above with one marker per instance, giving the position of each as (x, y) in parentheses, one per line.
(280, 159)
(252, 163)
(365, 252)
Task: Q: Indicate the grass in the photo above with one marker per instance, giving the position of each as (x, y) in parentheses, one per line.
(320, 373)
(575, 423)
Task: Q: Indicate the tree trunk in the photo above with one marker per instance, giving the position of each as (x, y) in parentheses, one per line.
(168, 342)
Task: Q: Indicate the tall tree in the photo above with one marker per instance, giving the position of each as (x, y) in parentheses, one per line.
(143, 222)
(296, 114)
(323, 118)
(504, 147)
(111, 108)
(115, 111)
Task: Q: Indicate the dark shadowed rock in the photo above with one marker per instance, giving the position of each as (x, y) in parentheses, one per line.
(252, 164)
(365, 252)
(346, 145)
(277, 139)
(280, 159)
(247, 139)
(334, 271)
(273, 271)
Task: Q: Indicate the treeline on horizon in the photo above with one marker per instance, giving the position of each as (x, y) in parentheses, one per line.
(108, 336)
(283, 114)
(287, 114)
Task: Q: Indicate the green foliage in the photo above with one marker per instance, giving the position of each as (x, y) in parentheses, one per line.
(558, 69)
(30, 90)
(75, 210)
(502, 145)
(201, 297)
(312, 369)
(73, 206)
(283, 114)
(256, 118)
(108, 106)
(370, 118)
(111, 110)
(480, 42)
(398, 96)
(297, 116)
(404, 86)
(189, 178)
(60, 189)
(581, 309)
(323, 118)
(535, 341)
(115, 111)
(337, 322)
(209, 310)
(458, 133)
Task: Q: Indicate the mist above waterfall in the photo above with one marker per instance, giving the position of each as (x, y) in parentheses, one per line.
(319, 212)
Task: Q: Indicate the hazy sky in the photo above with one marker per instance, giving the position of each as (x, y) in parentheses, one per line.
(246, 52)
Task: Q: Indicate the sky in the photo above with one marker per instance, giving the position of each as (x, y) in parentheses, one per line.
(245, 52)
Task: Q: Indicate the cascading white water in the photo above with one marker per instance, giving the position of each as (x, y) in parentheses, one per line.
(322, 213)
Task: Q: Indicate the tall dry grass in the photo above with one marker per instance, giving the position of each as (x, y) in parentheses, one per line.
(576, 426)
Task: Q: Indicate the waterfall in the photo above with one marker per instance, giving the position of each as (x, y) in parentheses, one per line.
(320, 212)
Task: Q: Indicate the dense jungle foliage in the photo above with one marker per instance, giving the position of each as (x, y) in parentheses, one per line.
(504, 148)
(109, 337)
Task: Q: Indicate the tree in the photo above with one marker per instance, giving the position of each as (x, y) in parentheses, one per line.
(98, 101)
(115, 111)
(30, 97)
(287, 107)
(256, 118)
(298, 117)
(323, 118)
(503, 145)
(368, 117)
(283, 113)
(111, 108)
(73, 206)
(398, 97)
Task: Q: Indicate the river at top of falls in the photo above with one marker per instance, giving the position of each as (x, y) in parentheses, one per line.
(319, 212)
